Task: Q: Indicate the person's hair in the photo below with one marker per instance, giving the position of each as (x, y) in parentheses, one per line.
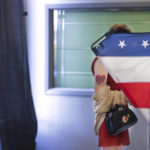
(119, 28)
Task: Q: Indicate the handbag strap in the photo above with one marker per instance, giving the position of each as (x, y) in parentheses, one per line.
(118, 106)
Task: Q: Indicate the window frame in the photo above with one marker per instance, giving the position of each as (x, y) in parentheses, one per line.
(49, 35)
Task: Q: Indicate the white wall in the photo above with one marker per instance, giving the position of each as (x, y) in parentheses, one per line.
(64, 123)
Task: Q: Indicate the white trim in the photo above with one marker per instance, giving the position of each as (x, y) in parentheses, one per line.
(70, 91)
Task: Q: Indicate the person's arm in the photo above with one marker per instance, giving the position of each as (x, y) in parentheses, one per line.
(103, 93)
(100, 75)
(103, 97)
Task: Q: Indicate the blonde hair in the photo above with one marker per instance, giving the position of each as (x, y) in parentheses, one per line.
(119, 28)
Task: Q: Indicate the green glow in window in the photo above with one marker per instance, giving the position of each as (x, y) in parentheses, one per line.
(75, 31)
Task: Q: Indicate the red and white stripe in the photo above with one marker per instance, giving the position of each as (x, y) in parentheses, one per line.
(132, 74)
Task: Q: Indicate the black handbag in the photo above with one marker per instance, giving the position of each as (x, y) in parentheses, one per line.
(119, 119)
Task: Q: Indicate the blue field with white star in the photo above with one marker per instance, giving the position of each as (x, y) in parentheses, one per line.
(130, 44)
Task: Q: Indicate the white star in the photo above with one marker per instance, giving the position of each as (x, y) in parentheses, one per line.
(145, 43)
(122, 44)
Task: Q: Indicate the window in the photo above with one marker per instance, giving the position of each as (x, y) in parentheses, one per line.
(72, 54)
(73, 31)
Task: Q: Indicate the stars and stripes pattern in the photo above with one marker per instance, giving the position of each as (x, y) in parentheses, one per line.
(127, 58)
(144, 43)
